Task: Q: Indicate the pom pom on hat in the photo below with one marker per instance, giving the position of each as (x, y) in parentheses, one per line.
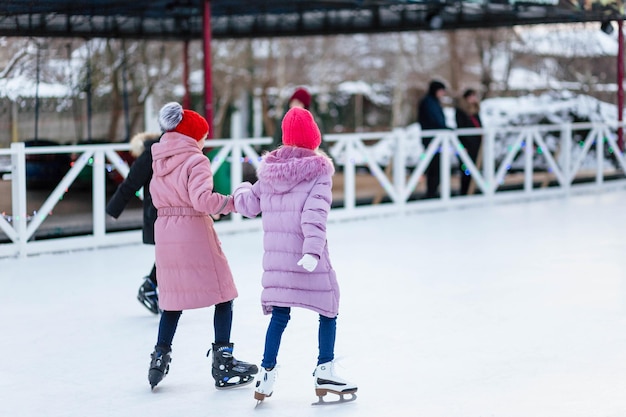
(300, 129)
(302, 96)
(172, 118)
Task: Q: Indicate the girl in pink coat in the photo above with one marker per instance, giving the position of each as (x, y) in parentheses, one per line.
(193, 270)
(294, 193)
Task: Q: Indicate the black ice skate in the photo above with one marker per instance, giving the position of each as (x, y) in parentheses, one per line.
(227, 371)
(327, 381)
(159, 367)
(147, 295)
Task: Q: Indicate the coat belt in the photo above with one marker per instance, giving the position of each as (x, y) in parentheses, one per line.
(179, 211)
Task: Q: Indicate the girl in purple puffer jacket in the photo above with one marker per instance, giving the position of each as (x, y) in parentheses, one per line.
(294, 193)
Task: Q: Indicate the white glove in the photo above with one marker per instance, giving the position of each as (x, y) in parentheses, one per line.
(308, 262)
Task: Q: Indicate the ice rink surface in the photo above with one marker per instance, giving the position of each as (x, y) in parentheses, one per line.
(513, 310)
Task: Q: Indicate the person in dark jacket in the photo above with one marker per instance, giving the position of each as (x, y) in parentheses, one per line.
(139, 176)
(430, 116)
(467, 116)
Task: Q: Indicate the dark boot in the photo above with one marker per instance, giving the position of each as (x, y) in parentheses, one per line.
(227, 371)
(147, 295)
(159, 366)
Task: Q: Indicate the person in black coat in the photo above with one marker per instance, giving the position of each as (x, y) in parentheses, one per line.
(430, 116)
(467, 116)
(139, 176)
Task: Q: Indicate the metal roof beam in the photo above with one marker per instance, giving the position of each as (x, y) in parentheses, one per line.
(182, 19)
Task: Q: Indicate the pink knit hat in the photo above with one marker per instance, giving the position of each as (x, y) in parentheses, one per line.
(299, 129)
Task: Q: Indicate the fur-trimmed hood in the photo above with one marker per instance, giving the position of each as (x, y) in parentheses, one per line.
(138, 142)
(471, 109)
(289, 165)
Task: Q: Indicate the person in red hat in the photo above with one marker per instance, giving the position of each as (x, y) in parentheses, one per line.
(302, 99)
(193, 270)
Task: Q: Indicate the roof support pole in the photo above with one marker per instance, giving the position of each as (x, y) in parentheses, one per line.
(89, 92)
(620, 83)
(125, 93)
(38, 72)
(208, 90)
(186, 96)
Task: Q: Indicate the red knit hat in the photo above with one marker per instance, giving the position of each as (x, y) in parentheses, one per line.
(299, 129)
(302, 96)
(193, 125)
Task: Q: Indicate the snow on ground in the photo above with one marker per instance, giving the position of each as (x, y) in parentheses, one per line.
(509, 310)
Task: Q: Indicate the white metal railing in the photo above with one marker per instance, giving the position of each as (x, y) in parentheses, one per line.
(396, 161)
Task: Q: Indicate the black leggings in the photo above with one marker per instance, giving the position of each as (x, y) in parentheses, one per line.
(432, 171)
(472, 147)
(222, 322)
(152, 275)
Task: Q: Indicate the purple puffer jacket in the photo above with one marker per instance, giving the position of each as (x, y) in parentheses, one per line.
(294, 192)
(192, 269)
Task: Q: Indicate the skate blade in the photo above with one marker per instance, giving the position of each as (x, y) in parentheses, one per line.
(341, 399)
(260, 399)
(240, 382)
(150, 306)
(259, 396)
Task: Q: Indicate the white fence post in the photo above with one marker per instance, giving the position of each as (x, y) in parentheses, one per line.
(236, 156)
(566, 142)
(399, 164)
(349, 176)
(489, 171)
(98, 195)
(444, 166)
(18, 194)
(236, 171)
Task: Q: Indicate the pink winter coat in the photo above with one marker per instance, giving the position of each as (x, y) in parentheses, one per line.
(192, 269)
(294, 192)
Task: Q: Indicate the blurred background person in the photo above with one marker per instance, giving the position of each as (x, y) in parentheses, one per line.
(300, 98)
(430, 116)
(303, 99)
(467, 116)
(139, 176)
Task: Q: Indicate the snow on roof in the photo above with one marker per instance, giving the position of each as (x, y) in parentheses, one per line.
(577, 40)
(22, 86)
(556, 106)
(367, 90)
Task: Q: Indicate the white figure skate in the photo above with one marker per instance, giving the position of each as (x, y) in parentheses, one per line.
(326, 381)
(265, 384)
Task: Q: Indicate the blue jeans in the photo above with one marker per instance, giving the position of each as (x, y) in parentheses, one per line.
(222, 323)
(278, 323)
